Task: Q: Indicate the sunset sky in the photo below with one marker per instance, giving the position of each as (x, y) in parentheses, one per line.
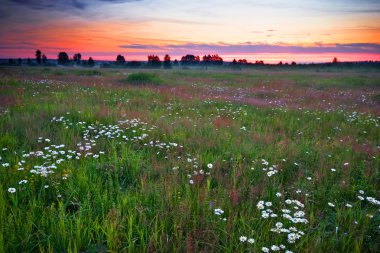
(271, 30)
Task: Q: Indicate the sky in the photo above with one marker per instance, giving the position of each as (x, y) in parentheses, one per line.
(270, 30)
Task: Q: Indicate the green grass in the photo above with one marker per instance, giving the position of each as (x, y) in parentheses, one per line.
(137, 195)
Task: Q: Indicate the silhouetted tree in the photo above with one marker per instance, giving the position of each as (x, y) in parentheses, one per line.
(235, 64)
(280, 63)
(38, 56)
(63, 58)
(175, 63)
(120, 60)
(77, 58)
(190, 59)
(154, 61)
(212, 59)
(167, 63)
(44, 59)
(242, 61)
(335, 60)
(294, 63)
(91, 62)
(259, 62)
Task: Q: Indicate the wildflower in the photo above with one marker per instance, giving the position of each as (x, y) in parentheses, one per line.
(12, 190)
(291, 238)
(278, 194)
(251, 240)
(361, 191)
(191, 181)
(271, 173)
(348, 205)
(333, 170)
(243, 238)
(268, 204)
(265, 249)
(260, 205)
(264, 214)
(209, 166)
(275, 248)
(218, 211)
(299, 214)
(331, 204)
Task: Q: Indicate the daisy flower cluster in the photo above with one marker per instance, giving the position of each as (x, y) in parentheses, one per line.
(270, 170)
(288, 220)
(52, 158)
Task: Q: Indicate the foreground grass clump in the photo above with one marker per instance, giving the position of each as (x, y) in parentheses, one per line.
(129, 169)
(143, 79)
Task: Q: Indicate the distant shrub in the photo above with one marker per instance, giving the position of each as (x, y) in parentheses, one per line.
(143, 78)
(88, 73)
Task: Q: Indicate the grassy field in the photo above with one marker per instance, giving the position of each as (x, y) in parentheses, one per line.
(189, 160)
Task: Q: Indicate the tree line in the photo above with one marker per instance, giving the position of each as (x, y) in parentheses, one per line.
(153, 61)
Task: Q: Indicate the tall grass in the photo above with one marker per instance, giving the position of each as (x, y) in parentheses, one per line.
(137, 197)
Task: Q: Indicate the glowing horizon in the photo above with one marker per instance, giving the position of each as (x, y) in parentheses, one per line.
(272, 31)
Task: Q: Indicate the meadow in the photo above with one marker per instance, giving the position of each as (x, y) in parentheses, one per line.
(217, 160)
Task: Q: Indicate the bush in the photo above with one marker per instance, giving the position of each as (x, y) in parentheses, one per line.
(143, 78)
(88, 73)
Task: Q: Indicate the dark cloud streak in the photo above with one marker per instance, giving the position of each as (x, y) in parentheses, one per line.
(262, 48)
(62, 5)
(46, 4)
